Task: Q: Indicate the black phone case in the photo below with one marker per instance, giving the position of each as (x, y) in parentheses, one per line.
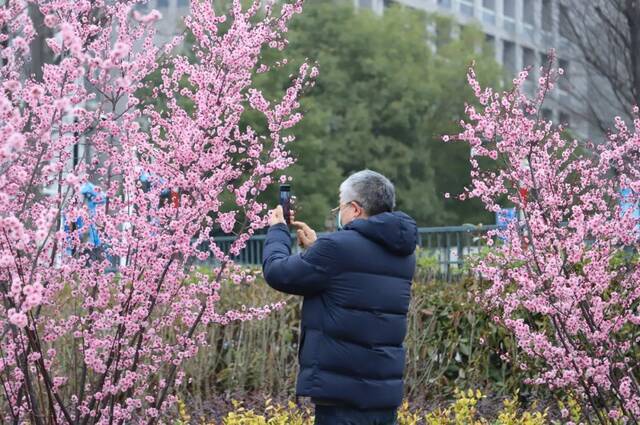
(285, 202)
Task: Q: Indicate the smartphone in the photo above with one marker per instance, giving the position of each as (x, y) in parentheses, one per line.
(285, 201)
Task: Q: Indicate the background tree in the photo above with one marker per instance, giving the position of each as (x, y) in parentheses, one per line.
(605, 37)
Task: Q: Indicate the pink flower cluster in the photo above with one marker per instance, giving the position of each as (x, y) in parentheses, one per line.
(17, 318)
(108, 196)
(564, 277)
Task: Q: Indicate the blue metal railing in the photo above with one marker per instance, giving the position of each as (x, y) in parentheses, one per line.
(449, 245)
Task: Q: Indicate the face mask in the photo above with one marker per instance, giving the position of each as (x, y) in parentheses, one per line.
(338, 222)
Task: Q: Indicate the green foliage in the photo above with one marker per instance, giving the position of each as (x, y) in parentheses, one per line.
(274, 414)
(624, 258)
(382, 101)
(427, 265)
(511, 415)
(451, 343)
(462, 411)
(570, 407)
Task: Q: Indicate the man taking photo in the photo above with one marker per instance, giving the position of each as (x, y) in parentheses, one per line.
(356, 285)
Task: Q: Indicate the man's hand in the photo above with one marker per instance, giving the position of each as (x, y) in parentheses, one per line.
(306, 235)
(276, 216)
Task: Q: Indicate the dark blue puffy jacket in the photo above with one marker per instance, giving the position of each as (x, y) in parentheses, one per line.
(356, 285)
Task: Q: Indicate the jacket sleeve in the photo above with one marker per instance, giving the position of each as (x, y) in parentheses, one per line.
(301, 274)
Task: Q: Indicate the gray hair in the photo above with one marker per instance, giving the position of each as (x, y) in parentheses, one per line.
(373, 191)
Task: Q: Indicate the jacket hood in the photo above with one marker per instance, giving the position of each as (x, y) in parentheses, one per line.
(396, 231)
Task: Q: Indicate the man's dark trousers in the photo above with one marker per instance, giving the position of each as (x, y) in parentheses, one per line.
(339, 415)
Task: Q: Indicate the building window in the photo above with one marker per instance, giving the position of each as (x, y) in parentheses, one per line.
(489, 11)
(509, 56)
(563, 81)
(509, 15)
(444, 4)
(529, 61)
(368, 4)
(184, 3)
(490, 44)
(466, 7)
(563, 21)
(509, 8)
(544, 60)
(564, 118)
(547, 114)
(489, 4)
(529, 13)
(443, 33)
(163, 3)
(547, 15)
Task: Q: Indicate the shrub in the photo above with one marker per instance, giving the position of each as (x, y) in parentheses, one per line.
(451, 342)
(462, 411)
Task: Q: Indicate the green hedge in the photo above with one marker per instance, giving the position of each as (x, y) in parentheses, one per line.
(451, 343)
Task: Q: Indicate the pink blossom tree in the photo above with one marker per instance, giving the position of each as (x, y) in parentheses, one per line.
(565, 278)
(97, 320)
